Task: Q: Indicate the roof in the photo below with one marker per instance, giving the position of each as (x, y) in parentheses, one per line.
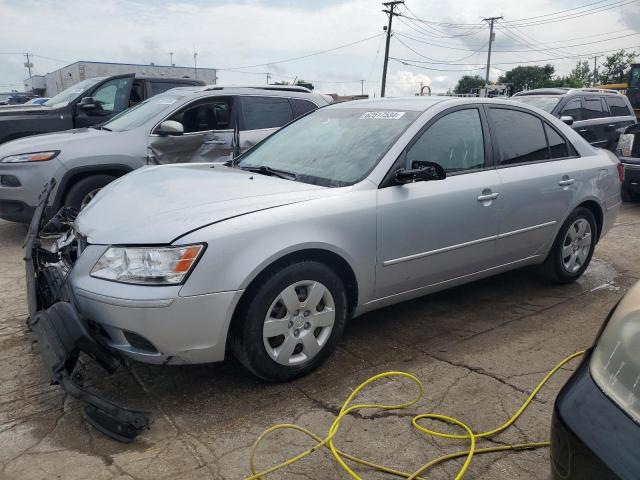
(566, 91)
(273, 90)
(401, 103)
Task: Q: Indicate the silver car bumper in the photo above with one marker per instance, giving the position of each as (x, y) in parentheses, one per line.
(153, 324)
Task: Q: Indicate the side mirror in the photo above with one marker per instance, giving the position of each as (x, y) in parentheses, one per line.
(170, 128)
(568, 119)
(420, 172)
(87, 103)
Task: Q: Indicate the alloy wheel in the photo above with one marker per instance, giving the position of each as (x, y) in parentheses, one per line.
(577, 245)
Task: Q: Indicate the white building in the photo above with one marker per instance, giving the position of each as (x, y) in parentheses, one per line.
(53, 83)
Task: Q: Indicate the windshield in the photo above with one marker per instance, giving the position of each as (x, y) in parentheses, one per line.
(70, 94)
(544, 102)
(142, 112)
(331, 146)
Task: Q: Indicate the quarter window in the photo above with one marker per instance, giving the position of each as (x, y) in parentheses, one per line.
(265, 112)
(618, 107)
(520, 136)
(455, 142)
(573, 108)
(558, 148)
(300, 107)
(593, 108)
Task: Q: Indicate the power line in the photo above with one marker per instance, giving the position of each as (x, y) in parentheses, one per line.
(304, 56)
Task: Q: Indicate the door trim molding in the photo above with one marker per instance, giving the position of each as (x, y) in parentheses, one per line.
(437, 251)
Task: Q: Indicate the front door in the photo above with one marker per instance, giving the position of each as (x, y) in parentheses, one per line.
(109, 98)
(208, 134)
(539, 178)
(433, 232)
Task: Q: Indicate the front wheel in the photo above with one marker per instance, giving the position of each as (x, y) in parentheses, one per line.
(292, 322)
(573, 247)
(82, 192)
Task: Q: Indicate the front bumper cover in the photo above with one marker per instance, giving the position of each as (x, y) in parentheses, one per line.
(62, 335)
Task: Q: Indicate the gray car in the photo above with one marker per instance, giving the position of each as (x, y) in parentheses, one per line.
(186, 124)
(351, 208)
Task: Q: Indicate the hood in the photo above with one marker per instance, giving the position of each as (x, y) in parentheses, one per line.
(156, 205)
(50, 141)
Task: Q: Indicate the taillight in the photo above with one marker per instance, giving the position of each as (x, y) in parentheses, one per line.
(621, 172)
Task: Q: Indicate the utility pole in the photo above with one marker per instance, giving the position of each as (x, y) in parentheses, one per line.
(391, 12)
(172, 64)
(195, 65)
(492, 37)
(595, 71)
(29, 65)
(268, 77)
(362, 87)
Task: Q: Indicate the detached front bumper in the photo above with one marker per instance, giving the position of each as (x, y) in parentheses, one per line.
(62, 335)
(591, 437)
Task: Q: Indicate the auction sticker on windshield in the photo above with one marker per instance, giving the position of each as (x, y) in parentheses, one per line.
(382, 115)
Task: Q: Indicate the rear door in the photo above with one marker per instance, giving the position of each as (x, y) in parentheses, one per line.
(261, 116)
(110, 97)
(208, 133)
(621, 116)
(594, 127)
(540, 174)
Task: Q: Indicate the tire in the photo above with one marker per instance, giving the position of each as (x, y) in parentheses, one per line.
(77, 194)
(558, 265)
(628, 195)
(301, 336)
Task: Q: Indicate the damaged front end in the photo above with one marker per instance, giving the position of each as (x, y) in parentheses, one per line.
(51, 250)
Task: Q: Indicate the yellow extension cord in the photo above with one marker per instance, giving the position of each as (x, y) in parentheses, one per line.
(347, 408)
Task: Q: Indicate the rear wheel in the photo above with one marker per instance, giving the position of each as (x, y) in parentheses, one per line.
(573, 247)
(292, 322)
(82, 192)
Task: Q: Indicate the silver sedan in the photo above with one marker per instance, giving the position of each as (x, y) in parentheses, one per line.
(353, 207)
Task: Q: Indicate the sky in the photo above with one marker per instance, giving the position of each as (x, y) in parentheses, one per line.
(437, 41)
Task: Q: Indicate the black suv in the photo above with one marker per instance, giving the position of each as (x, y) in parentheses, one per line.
(596, 114)
(90, 102)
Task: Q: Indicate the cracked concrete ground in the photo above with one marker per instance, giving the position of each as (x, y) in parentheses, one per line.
(479, 349)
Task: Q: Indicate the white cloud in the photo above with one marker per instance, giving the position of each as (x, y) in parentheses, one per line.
(238, 33)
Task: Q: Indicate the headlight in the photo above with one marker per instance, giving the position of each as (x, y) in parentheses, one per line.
(615, 364)
(31, 157)
(147, 265)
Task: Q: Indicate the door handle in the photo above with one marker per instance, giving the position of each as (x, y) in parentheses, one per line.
(488, 196)
(215, 142)
(583, 130)
(566, 182)
(610, 127)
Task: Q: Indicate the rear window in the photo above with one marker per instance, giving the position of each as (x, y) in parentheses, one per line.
(593, 108)
(265, 112)
(618, 107)
(161, 87)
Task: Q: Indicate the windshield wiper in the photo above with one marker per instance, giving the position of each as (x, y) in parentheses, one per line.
(264, 170)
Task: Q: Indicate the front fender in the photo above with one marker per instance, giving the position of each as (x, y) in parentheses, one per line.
(239, 249)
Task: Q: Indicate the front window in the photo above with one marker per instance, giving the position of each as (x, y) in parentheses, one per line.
(70, 94)
(332, 146)
(543, 102)
(142, 112)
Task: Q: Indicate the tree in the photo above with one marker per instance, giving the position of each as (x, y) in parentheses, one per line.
(581, 74)
(529, 77)
(615, 68)
(468, 82)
